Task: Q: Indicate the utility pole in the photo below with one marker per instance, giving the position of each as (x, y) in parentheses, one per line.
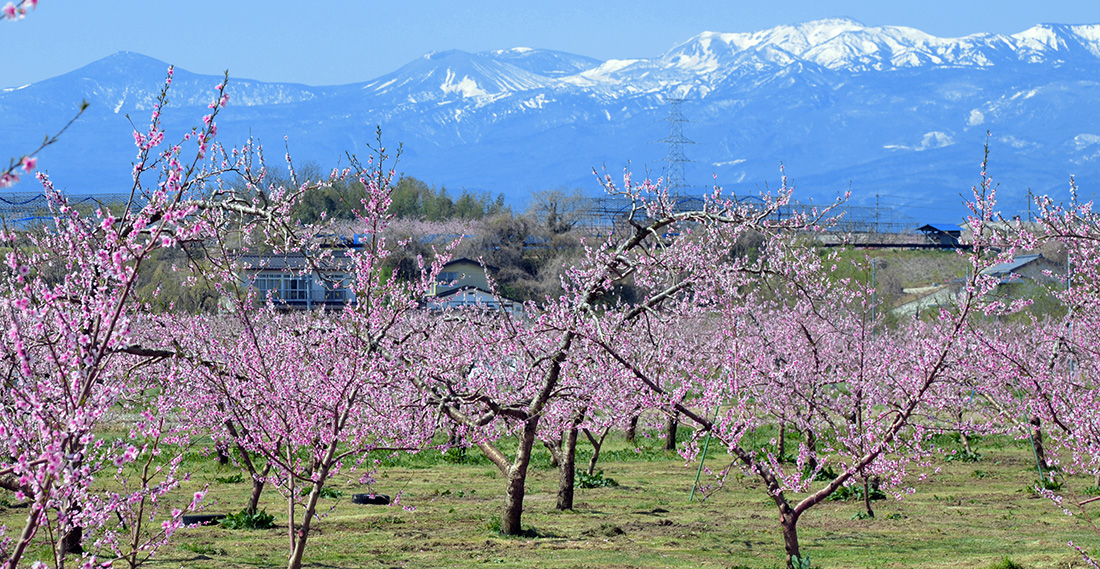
(876, 215)
(1029, 205)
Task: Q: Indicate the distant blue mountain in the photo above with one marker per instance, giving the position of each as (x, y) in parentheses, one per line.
(896, 115)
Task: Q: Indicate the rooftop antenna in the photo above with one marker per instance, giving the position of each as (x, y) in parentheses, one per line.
(674, 173)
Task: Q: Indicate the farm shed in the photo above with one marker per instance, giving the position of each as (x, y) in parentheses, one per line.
(943, 234)
(1035, 268)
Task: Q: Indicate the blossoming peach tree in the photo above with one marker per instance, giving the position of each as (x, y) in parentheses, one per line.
(309, 394)
(1044, 372)
(787, 339)
(69, 313)
(524, 373)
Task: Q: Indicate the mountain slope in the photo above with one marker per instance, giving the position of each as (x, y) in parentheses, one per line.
(886, 111)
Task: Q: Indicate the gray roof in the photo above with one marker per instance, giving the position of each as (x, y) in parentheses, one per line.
(1010, 267)
(293, 262)
(941, 227)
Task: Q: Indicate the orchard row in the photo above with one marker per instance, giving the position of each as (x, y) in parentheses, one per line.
(725, 337)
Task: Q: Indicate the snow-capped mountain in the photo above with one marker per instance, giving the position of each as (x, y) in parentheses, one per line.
(449, 75)
(545, 62)
(886, 111)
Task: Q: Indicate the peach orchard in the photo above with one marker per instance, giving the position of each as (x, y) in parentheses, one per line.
(725, 342)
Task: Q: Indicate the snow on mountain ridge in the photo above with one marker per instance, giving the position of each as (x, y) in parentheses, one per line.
(545, 62)
(795, 38)
(846, 45)
(441, 75)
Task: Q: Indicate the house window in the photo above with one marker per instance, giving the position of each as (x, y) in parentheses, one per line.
(447, 277)
(282, 287)
(296, 289)
(265, 284)
(334, 293)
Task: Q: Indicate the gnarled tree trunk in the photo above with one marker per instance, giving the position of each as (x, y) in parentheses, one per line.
(788, 520)
(516, 481)
(567, 472)
(555, 452)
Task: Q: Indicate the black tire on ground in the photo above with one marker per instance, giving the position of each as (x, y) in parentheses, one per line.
(370, 499)
(202, 519)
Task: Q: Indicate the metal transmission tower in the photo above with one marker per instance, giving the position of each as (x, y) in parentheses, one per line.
(674, 173)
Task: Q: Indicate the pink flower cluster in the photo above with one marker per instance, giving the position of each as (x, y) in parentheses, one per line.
(17, 11)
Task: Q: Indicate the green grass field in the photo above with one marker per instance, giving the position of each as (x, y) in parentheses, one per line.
(968, 515)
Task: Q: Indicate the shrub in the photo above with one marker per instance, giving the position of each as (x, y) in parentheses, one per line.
(326, 492)
(249, 520)
(1005, 563)
(597, 480)
(855, 493)
(963, 456)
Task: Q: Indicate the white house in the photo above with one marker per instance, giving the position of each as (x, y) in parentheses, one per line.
(295, 283)
(465, 283)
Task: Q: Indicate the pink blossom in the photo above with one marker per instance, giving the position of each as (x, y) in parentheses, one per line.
(29, 163)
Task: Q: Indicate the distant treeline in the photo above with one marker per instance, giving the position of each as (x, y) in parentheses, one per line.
(412, 199)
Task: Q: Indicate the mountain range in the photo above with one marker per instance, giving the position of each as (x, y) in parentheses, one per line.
(895, 115)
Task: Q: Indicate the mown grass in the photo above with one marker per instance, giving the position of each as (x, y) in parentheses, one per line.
(970, 514)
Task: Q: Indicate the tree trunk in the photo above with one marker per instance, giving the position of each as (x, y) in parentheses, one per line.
(788, 520)
(811, 444)
(69, 544)
(964, 438)
(670, 431)
(223, 456)
(596, 457)
(516, 480)
(567, 469)
(597, 444)
(782, 446)
(632, 429)
(246, 459)
(1037, 441)
(867, 497)
(257, 489)
(321, 470)
(555, 452)
(291, 535)
(70, 541)
(295, 561)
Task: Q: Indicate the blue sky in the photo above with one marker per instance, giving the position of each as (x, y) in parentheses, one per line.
(344, 41)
